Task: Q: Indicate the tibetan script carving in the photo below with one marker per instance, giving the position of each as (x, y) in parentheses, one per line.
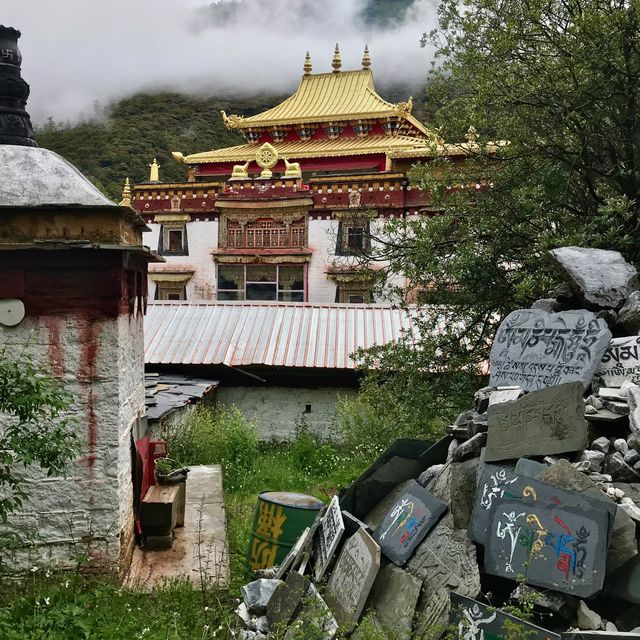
(620, 362)
(543, 422)
(534, 349)
(327, 538)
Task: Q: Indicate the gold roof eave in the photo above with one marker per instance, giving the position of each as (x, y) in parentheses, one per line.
(324, 147)
(328, 97)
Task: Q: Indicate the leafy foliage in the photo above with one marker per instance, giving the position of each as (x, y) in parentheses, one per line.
(560, 81)
(35, 429)
(216, 436)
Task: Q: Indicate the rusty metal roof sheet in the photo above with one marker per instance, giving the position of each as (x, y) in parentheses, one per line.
(279, 334)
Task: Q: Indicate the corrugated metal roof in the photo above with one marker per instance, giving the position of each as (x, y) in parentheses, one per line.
(278, 334)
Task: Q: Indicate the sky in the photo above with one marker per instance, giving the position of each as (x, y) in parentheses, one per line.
(77, 52)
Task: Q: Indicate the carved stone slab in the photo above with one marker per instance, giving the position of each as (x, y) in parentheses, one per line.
(558, 548)
(534, 349)
(621, 361)
(327, 538)
(541, 423)
(445, 561)
(352, 578)
(409, 519)
(477, 621)
(497, 482)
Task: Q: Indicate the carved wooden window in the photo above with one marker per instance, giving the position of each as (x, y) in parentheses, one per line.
(173, 240)
(266, 234)
(354, 238)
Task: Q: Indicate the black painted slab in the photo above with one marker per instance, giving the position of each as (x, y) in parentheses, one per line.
(560, 548)
(403, 460)
(408, 520)
(497, 482)
(477, 621)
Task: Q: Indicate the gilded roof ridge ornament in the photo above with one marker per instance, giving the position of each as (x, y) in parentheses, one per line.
(366, 58)
(471, 135)
(154, 174)
(232, 121)
(307, 65)
(403, 109)
(336, 63)
(126, 194)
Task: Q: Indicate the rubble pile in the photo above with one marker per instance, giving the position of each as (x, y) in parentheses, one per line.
(531, 500)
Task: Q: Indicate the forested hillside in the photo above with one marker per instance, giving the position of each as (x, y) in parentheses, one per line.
(125, 138)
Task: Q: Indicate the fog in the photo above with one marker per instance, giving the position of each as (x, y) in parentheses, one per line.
(77, 52)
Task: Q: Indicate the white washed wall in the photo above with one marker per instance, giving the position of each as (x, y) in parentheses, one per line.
(89, 509)
(276, 410)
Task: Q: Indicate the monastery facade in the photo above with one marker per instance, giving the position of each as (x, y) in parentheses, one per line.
(290, 214)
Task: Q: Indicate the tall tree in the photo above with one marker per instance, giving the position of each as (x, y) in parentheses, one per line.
(559, 80)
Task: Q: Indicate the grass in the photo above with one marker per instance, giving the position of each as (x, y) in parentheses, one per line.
(78, 606)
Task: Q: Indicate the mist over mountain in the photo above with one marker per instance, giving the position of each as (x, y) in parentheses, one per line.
(76, 52)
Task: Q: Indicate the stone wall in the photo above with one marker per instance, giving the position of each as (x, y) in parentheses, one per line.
(88, 511)
(277, 410)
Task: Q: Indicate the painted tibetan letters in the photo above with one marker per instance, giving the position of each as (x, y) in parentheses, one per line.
(327, 538)
(407, 522)
(534, 349)
(477, 621)
(620, 362)
(564, 549)
(497, 482)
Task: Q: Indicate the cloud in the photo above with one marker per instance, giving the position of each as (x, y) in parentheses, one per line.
(77, 52)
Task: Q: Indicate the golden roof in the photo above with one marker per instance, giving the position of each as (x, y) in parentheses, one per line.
(299, 149)
(329, 97)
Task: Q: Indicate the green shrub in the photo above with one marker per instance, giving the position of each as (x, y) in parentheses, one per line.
(309, 454)
(216, 436)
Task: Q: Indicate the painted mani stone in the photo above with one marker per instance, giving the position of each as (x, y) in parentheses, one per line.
(497, 482)
(563, 549)
(534, 349)
(327, 538)
(620, 362)
(476, 621)
(543, 422)
(407, 522)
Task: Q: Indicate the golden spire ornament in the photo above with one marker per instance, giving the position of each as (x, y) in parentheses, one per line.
(154, 174)
(307, 65)
(126, 194)
(366, 58)
(336, 63)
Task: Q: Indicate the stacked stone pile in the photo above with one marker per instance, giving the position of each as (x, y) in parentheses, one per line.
(531, 499)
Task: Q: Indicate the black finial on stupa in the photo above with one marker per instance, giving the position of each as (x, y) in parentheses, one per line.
(15, 124)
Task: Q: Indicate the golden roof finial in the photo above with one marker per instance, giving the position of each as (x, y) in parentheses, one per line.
(154, 174)
(472, 135)
(366, 58)
(336, 63)
(307, 65)
(126, 194)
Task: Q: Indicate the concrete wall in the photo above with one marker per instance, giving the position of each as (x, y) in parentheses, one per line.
(87, 511)
(277, 410)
